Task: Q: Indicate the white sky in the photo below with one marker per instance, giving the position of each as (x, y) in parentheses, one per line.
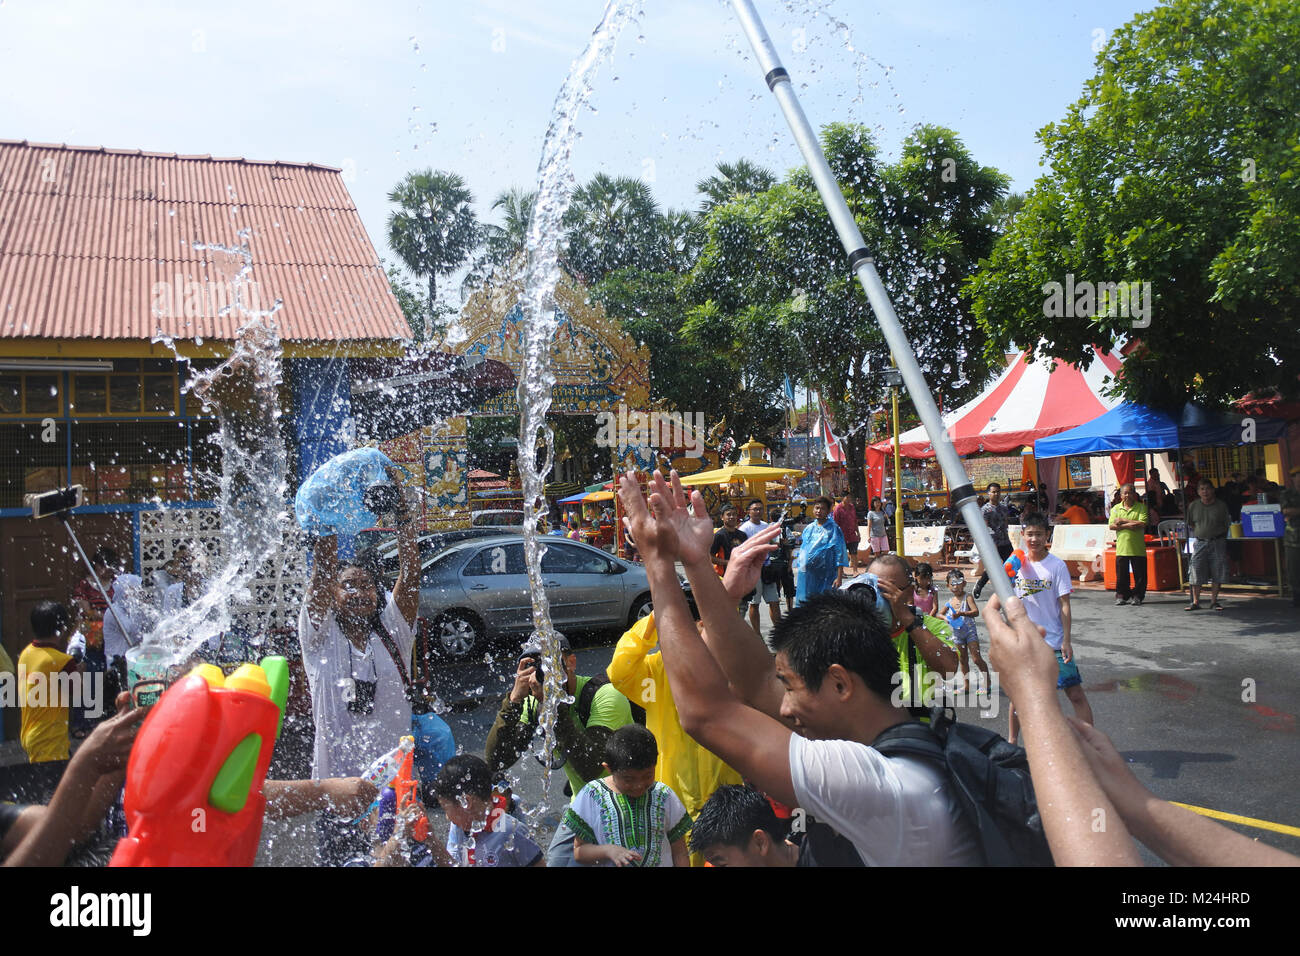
(382, 88)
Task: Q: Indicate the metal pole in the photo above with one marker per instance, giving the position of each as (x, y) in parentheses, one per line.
(898, 475)
(126, 635)
(862, 263)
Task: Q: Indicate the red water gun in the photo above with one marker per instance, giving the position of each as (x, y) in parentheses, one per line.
(194, 780)
(407, 789)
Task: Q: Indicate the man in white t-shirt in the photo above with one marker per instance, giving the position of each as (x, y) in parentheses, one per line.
(803, 733)
(356, 649)
(1043, 584)
(768, 592)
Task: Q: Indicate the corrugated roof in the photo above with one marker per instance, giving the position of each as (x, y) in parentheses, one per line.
(100, 243)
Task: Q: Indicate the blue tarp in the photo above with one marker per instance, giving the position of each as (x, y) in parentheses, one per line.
(1131, 427)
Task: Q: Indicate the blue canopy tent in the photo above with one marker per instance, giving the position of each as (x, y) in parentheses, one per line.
(1131, 427)
(1136, 428)
(573, 499)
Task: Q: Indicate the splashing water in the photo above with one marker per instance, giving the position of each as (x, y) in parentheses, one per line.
(539, 326)
(244, 392)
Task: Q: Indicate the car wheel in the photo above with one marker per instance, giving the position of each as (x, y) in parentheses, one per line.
(641, 607)
(457, 634)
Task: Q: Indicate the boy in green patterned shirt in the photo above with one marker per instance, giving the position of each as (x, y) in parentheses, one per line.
(627, 818)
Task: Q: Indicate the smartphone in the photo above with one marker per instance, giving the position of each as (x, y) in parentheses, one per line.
(53, 502)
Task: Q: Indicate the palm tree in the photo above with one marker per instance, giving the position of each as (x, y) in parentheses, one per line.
(1004, 209)
(434, 231)
(733, 180)
(502, 243)
(612, 223)
(681, 240)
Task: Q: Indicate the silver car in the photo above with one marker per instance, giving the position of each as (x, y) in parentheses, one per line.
(477, 590)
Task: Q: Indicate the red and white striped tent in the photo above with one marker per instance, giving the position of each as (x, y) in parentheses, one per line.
(1029, 400)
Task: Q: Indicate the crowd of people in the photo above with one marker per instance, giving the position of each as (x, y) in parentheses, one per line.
(703, 742)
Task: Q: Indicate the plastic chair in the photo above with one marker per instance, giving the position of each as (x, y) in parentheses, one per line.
(1171, 532)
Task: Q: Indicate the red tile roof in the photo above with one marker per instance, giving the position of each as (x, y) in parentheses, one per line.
(99, 243)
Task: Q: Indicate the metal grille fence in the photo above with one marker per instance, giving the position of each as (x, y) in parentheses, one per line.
(275, 592)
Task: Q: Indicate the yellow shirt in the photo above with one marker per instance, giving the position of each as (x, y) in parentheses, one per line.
(44, 733)
(692, 772)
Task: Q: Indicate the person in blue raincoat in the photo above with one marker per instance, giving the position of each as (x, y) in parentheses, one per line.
(822, 556)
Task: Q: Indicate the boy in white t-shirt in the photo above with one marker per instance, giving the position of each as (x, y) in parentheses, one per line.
(1044, 586)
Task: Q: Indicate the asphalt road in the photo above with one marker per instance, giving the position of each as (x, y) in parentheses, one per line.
(1202, 704)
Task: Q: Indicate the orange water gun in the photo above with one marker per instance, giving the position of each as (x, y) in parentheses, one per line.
(407, 789)
(1015, 563)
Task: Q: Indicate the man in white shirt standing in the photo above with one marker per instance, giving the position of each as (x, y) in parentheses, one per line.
(767, 591)
(1044, 586)
(356, 648)
(802, 732)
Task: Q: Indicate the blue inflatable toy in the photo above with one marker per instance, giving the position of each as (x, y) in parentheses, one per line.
(332, 499)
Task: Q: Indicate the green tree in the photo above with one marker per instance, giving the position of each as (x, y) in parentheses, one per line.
(696, 362)
(412, 303)
(1176, 167)
(612, 223)
(509, 239)
(1002, 212)
(434, 230)
(772, 278)
(732, 181)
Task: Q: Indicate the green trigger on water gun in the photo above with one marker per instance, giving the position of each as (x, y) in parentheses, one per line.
(277, 675)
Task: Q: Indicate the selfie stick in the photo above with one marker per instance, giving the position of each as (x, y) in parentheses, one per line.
(63, 516)
(861, 262)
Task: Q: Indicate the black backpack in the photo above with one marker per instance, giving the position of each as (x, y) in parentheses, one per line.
(990, 780)
(588, 694)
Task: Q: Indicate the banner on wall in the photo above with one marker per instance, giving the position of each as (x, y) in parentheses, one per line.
(596, 364)
(438, 458)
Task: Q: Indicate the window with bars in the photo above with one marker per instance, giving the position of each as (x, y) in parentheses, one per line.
(116, 462)
(133, 393)
(28, 464)
(31, 393)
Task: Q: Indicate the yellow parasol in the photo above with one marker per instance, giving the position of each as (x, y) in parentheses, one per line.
(746, 473)
(752, 471)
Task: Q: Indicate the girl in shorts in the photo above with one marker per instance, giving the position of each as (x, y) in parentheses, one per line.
(960, 612)
(926, 598)
(877, 539)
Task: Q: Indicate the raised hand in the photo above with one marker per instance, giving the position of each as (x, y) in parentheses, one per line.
(746, 565)
(668, 528)
(1017, 652)
(653, 538)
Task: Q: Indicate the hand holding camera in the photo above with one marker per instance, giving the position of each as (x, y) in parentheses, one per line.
(528, 680)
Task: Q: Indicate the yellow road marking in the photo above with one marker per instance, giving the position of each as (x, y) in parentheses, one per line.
(1244, 821)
